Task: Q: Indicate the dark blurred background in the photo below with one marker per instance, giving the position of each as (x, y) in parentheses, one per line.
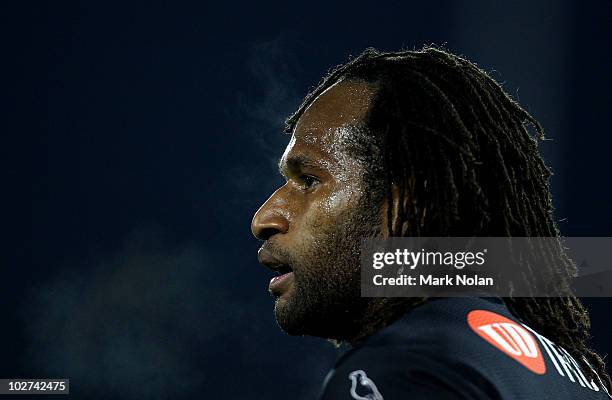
(139, 139)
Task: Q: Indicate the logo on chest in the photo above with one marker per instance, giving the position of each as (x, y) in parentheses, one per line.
(509, 337)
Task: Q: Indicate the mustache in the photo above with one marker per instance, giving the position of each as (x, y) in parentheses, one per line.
(279, 252)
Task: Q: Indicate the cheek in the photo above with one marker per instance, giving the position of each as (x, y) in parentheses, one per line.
(341, 199)
(331, 208)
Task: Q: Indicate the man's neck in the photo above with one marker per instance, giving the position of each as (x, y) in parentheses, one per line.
(380, 313)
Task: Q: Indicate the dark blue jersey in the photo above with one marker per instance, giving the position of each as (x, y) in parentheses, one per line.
(459, 348)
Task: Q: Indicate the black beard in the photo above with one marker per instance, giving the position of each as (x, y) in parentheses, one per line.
(326, 300)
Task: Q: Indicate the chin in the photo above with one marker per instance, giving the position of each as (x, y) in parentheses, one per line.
(297, 320)
(293, 318)
(287, 319)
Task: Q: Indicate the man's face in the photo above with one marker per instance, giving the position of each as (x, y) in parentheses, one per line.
(313, 224)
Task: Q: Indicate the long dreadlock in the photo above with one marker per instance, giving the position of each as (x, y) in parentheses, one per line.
(460, 148)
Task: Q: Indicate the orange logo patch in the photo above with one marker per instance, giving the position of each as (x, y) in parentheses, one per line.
(509, 337)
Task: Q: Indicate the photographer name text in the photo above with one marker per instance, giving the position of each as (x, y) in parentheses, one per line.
(431, 280)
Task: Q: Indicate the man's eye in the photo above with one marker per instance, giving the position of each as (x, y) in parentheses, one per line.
(307, 181)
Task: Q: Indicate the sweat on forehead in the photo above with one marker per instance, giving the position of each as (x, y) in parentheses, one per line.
(343, 105)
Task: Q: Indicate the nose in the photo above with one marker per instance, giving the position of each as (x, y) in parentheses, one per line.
(268, 221)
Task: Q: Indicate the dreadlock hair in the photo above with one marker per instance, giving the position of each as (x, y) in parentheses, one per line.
(452, 141)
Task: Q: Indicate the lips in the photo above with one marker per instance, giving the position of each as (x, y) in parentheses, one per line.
(278, 284)
(270, 260)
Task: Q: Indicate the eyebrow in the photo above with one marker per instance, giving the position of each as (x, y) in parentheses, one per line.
(295, 163)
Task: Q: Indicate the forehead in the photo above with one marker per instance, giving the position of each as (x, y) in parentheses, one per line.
(341, 107)
(327, 125)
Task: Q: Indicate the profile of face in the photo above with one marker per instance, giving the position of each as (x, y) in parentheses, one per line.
(312, 225)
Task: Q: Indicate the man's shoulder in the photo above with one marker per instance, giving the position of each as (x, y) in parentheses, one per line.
(454, 348)
(428, 349)
(441, 326)
(445, 330)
